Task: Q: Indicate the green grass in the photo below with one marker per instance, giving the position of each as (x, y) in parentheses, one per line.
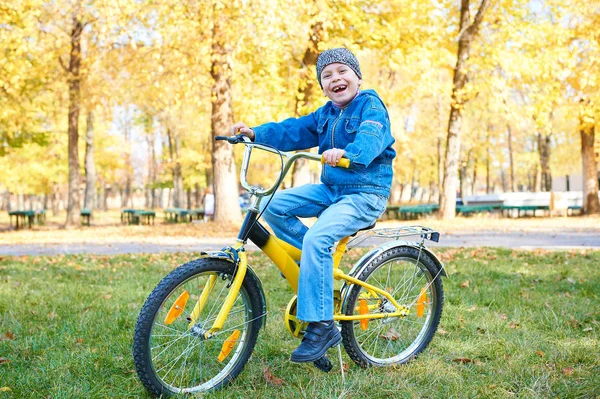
(525, 326)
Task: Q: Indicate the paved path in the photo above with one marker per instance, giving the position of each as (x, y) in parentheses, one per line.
(563, 240)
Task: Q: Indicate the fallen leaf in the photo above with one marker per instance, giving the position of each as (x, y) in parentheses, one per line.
(588, 329)
(465, 284)
(4, 360)
(129, 372)
(107, 296)
(391, 335)
(441, 331)
(540, 353)
(513, 325)
(270, 378)
(7, 336)
(52, 315)
(345, 366)
(80, 341)
(463, 360)
(506, 356)
(568, 371)
(5, 389)
(460, 318)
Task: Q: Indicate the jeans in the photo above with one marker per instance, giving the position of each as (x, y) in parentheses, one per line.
(339, 215)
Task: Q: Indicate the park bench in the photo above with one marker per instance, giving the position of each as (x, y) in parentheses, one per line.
(86, 215)
(392, 211)
(176, 215)
(509, 209)
(408, 212)
(472, 209)
(137, 216)
(27, 218)
(197, 214)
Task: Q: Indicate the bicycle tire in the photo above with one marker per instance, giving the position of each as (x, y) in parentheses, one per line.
(395, 340)
(160, 349)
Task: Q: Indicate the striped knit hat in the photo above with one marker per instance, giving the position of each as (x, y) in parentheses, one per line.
(340, 55)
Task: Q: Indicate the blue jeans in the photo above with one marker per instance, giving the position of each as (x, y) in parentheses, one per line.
(339, 215)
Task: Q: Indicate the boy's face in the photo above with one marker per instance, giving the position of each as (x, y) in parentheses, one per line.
(340, 83)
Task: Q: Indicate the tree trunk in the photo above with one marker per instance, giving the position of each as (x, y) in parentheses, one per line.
(227, 206)
(544, 152)
(90, 169)
(468, 31)
(488, 157)
(513, 183)
(73, 205)
(305, 98)
(587, 130)
(413, 180)
(464, 178)
(440, 171)
(474, 182)
(174, 144)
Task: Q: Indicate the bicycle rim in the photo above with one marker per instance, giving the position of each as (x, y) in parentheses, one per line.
(184, 361)
(394, 340)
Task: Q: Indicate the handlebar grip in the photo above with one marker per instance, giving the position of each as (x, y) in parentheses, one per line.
(342, 163)
(238, 138)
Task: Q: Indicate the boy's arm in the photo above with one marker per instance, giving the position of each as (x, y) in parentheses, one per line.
(291, 134)
(373, 135)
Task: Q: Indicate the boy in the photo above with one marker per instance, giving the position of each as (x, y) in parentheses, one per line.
(354, 124)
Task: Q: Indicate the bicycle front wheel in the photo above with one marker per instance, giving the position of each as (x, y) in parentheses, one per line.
(170, 351)
(412, 279)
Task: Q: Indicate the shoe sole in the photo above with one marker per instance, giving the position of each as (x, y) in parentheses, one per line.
(333, 342)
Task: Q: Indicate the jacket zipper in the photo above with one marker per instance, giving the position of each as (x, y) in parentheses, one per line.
(334, 126)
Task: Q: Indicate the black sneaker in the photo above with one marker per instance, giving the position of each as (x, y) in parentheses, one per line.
(318, 338)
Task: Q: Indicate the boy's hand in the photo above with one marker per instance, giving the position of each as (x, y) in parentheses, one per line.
(333, 156)
(242, 128)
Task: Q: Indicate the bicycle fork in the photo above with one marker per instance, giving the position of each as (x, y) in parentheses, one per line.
(241, 266)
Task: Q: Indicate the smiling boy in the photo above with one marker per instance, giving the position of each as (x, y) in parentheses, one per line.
(354, 124)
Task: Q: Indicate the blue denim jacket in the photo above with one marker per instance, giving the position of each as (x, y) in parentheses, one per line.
(362, 129)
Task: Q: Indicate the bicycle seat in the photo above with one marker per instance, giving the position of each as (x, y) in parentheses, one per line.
(366, 228)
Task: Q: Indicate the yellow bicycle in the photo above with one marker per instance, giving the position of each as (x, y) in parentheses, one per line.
(199, 326)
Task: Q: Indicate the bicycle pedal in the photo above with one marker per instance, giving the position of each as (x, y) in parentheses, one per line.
(323, 364)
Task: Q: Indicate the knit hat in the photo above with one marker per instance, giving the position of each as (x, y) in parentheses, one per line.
(340, 55)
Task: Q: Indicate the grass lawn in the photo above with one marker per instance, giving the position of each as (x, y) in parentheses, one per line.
(515, 324)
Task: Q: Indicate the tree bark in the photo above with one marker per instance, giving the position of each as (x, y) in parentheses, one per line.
(73, 205)
(174, 144)
(488, 162)
(463, 177)
(305, 98)
(544, 152)
(587, 130)
(227, 206)
(90, 169)
(513, 183)
(468, 31)
(474, 182)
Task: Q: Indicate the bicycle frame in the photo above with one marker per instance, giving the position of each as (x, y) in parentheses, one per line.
(283, 255)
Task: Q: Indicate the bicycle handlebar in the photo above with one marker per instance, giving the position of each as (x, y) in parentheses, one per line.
(290, 159)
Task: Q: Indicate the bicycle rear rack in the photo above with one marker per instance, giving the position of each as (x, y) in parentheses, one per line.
(394, 233)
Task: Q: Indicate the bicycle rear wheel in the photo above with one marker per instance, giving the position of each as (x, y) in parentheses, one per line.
(411, 277)
(171, 354)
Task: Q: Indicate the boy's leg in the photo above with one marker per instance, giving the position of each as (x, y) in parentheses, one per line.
(315, 286)
(288, 205)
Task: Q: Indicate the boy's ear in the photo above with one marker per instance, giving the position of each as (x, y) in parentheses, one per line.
(359, 82)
